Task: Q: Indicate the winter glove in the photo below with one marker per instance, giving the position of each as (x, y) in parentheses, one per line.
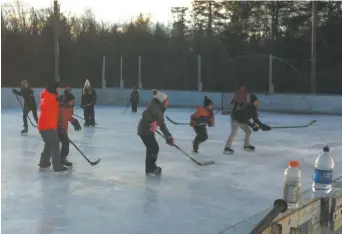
(255, 127)
(265, 127)
(192, 123)
(76, 125)
(14, 91)
(61, 130)
(170, 140)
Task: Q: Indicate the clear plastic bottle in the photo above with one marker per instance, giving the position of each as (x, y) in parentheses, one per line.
(322, 179)
(292, 183)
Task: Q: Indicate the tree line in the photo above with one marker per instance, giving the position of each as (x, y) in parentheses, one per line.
(233, 38)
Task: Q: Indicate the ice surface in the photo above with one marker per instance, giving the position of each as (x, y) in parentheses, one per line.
(116, 197)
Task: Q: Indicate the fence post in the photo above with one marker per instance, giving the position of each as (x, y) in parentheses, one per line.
(270, 75)
(139, 73)
(199, 73)
(121, 78)
(104, 71)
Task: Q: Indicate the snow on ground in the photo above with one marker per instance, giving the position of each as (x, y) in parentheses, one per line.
(116, 197)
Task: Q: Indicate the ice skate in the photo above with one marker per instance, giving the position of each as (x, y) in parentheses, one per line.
(92, 123)
(228, 150)
(62, 170)
(44, 166)
(65, 162)
(86, 123)
(25, 130)
(156, 172)
(249, 148)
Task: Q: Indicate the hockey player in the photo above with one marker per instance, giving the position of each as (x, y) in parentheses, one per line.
(47, 126)
(29, 103)
(239, 98)
(198, 120)
(88, 102)
(134, 99)
(66, 109)
(241, 119)
(152, 117)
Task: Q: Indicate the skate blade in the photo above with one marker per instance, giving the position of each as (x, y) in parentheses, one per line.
(228, 153)
(249, 150)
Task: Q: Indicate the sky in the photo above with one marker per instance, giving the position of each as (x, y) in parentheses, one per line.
(114, 10)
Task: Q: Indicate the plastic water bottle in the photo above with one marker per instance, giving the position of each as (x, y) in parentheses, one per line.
(292, 183)
(322, 179)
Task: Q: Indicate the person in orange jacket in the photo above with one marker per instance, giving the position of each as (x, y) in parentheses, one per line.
(48, 126)
(66, 110)
(203, 116)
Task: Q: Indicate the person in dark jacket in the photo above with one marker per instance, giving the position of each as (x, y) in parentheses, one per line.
(66, 110)
(241, 119)
(199, 120)
(151, 118)
(88, 102)
(29, 103)
(134, 99)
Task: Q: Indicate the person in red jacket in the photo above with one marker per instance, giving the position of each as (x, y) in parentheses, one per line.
(203, 116)
(47, 126)
(66, 111)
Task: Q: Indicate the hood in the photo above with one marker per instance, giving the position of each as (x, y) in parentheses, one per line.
(160, 96)
(87, 84)
(45, 94)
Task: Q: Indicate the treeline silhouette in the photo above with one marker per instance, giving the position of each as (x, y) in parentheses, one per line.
(233, 38)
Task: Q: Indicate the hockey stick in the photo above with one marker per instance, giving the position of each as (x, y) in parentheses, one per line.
(123, 112)
(90, 162)
(83, 106)
(177, 123)
(216, 112)
(81, 117)
(23, 109)
(205, 163)
(299, 126)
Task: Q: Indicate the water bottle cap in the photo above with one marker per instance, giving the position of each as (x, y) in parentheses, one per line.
(326, 149)
(294, 163)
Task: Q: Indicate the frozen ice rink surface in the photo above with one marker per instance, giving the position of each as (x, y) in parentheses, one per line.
(116, 197)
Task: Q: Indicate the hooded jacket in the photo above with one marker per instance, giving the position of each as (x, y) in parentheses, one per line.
(66, 110)
(154, 113)
(49, 111)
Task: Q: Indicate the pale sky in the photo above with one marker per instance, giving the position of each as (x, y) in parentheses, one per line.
(114, 10)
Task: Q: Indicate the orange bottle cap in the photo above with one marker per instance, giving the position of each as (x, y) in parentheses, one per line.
(294, 163)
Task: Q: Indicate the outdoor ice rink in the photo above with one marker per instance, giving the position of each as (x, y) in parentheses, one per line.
(116, 197)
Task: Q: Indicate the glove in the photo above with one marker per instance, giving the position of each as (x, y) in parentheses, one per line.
(170, 140)
(255, 127)
(265, 127)
(76, 125)
(61, 130)
(192, 123)
(14, 91)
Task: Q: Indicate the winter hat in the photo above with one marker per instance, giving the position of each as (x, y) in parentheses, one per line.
(207, 101)
(87, 83)
(52, 86)
(253, 98)
(160, 96)
(68, 88)
(23, 82)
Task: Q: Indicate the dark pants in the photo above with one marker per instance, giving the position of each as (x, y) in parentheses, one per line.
(26, 110)
(152, 150)
(89, 114)
(51, 150)
(64, 140)
(134, 106)
(201, 136)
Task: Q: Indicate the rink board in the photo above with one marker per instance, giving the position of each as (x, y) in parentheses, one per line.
(314, 216)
